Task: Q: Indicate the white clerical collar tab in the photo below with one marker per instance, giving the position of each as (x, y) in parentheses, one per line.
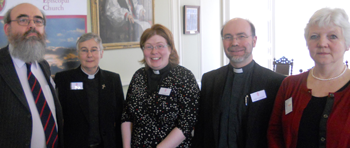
(156, 72)
(238, 70)
(91, 76)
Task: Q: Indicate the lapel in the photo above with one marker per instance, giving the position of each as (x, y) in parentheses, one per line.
(219, 86)
(104, 93)
(258, 83)
(8, 72)
(257, 78)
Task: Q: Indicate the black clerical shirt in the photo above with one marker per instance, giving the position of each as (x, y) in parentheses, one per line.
(234, 105)
(92, 93)
(155, 78)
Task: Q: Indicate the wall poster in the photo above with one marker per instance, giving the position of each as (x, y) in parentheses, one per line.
(66, 22)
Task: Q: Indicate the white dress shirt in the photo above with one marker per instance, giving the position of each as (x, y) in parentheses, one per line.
(38, 136)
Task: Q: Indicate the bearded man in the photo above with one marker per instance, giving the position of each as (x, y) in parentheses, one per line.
(30, 113)
(237, 99)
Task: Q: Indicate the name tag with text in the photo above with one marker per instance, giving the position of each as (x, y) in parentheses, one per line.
(259, 95)
(288, 105)
(164, 91)
(76, 86)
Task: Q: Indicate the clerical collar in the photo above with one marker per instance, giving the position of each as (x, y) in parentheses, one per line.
(237, 70)
(156, 72)
(165, 69)
(243, 69)
(91, 76)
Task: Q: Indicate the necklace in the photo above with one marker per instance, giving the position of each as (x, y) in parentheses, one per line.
(312, 73)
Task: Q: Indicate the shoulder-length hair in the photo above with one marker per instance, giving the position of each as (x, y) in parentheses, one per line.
(161, 30)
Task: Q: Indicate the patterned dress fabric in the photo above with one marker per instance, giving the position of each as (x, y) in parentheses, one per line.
(154, 115)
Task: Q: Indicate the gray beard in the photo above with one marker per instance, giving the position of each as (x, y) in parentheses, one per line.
(238, 59)
(28, 49)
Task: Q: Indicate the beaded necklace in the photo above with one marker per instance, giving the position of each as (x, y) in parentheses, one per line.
(312, 74)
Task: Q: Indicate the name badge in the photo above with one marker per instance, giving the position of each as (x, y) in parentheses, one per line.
(76, 86)
(259, 95)
(288, 105)
(164, 91)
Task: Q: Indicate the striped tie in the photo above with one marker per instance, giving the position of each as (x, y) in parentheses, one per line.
(46, 117)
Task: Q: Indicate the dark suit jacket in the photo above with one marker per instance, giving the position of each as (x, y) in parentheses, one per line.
(15, 115)
(75, 108)
(213, 83)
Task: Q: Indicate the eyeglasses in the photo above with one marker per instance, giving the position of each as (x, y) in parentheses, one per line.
(26, 21)
(150, 47)
(229, 38)
(86, 51)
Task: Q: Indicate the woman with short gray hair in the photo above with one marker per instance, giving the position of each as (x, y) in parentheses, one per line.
(312, 109)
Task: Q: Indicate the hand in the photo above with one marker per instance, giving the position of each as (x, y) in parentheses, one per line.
(131, 18)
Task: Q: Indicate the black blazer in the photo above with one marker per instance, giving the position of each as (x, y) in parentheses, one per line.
(75, 108)
(15, 115)
(213, 83)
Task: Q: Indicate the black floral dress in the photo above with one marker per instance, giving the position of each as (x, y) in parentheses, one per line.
(154, 115)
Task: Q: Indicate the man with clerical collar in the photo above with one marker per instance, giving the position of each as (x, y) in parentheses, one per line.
(91, 98)
(237, 99)
(30, 113)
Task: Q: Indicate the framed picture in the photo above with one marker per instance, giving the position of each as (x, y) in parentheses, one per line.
(191, 19)
(120, 23)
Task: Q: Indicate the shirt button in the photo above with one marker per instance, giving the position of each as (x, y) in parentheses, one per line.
(323, 139)
(325, 116)
(331, 95)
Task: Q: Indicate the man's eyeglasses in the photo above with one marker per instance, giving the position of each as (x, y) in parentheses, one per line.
(150, 47)
(229, 38)
(26, 21)
(86, 51)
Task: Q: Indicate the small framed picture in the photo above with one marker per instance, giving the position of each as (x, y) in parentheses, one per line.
(191, 19)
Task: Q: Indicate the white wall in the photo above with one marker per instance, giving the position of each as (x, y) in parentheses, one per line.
(211, 23)
(259, 12)
(203, 52)
(291, 19)
(190, 47)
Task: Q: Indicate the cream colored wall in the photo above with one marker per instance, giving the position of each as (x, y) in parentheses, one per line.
(190, 47)
(211, 43)
(122, 61)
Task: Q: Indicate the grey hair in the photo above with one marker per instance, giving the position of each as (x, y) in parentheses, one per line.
(328, 17)
(88, 36)
(7, 16)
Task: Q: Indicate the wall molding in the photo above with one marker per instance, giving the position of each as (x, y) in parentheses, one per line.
(176, 23)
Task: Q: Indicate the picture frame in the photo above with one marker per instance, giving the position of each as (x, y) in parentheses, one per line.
(191, 19)
(110, 21)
